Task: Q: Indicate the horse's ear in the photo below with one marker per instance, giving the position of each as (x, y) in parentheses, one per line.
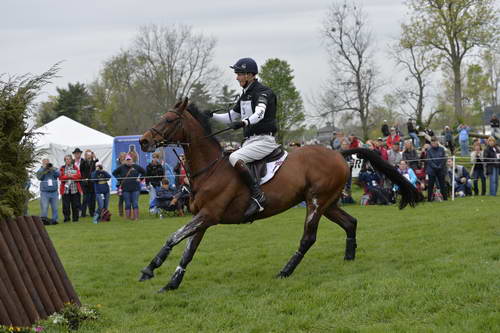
(184, 104)
(177, 104)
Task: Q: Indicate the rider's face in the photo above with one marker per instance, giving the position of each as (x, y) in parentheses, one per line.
(243, 78)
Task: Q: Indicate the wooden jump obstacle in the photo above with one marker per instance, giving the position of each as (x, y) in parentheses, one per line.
(33, 282)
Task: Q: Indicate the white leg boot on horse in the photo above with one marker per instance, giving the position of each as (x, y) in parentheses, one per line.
(196, 227)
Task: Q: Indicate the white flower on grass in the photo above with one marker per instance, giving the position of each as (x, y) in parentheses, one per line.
(57, 318)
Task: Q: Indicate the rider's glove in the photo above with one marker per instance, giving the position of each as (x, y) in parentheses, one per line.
(237, 124)
(209, 114)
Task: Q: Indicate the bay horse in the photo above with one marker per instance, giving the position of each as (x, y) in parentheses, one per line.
(314, 174)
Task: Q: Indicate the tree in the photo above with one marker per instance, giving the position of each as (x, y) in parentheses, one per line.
(491, 63)
(45, 112)
(277, 75)
(17, 139)
(200, 96)
(226, 98)
(454, 28)
(140, 83)
(75, 102)
(391, 109)
(122, 103)
(225, 101)
(419, 62)
(477, 90)
(172, 60)
(354, 75)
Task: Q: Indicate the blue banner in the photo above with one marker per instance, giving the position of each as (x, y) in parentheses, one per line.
(130, 145)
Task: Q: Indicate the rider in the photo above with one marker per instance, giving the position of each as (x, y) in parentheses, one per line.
(255, 111)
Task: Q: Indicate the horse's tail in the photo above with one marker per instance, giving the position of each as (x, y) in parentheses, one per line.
(409, 194)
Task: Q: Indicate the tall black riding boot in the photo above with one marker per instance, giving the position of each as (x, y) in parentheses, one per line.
(258, 200)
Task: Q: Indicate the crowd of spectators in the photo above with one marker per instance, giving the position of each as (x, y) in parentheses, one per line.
(82, 182)
(428, 166)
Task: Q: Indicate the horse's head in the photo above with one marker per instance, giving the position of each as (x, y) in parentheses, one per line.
(167, 130)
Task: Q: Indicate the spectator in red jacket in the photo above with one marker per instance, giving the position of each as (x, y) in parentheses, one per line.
(354, 142)
(70, 189)
(380, 147)
(393, 138)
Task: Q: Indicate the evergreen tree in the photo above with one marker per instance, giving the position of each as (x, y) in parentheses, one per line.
(227, 98)
(76, 103)
(17, 139)
(225, 102)
(200, 96)
(46, 112)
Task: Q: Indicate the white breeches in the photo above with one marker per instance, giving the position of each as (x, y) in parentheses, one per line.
(254, 148)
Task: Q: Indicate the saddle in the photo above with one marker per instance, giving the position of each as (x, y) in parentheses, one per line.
(260, 169)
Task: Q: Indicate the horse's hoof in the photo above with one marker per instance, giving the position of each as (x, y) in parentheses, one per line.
(282, 275)
(147, 274)
(168, 287)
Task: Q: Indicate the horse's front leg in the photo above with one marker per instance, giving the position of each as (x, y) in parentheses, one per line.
(187, 256)
(198, 223)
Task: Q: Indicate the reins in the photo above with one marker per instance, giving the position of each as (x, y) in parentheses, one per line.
(217, 133)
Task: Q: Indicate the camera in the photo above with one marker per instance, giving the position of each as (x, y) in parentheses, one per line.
(49, 165)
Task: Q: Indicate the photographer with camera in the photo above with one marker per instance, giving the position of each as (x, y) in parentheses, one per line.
(48, 175)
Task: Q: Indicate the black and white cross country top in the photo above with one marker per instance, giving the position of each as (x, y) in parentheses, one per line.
(257, 107)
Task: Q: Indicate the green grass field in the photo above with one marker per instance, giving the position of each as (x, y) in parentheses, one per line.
(435, 268)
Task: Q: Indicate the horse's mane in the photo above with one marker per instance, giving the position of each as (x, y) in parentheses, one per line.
(204, 121)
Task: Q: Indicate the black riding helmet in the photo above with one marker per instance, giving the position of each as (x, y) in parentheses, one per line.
(245, 65)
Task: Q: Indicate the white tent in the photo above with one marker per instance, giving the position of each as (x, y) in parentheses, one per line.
(62, 135)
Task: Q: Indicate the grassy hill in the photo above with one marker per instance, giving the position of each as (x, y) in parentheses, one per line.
(431, 269)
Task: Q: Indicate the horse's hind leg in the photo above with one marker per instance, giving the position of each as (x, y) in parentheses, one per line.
(308, 237)
(349, 224)
(187, 256)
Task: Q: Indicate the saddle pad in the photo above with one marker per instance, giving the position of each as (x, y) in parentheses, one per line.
(272, 168)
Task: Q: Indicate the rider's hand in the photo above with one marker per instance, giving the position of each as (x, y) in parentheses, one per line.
(209, 114)
(237, 124)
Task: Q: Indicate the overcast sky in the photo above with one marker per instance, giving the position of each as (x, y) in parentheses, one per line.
(35, 34)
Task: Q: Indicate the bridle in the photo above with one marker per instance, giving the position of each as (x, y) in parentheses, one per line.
(166, 141)
(167, 137)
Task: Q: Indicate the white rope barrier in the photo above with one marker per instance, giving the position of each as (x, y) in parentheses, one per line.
(117, 178)
(177, 175)
(453, 181)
